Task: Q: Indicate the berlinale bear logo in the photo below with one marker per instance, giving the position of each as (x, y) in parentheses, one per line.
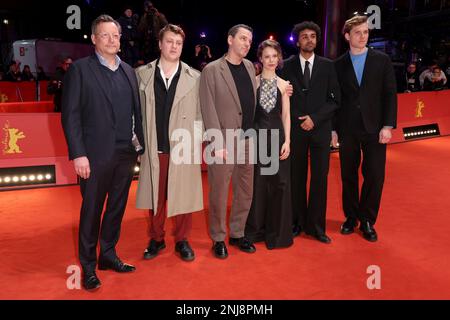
(420, 105)
(12, 135)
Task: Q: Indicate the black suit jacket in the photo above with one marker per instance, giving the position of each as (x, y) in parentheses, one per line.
(376, 98)
(87, 114)
(320, 101)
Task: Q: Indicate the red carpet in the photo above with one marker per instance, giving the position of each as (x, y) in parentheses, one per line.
(38, 232)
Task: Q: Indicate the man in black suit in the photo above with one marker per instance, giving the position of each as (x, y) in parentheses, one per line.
(364, 122)
(101, 118)
(313, 103)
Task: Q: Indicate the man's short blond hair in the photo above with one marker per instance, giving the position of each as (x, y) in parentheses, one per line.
(353, 22)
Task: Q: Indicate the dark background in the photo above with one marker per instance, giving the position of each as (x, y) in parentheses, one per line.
(409, 27)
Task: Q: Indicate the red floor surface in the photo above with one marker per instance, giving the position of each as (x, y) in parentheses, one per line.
(38, 232)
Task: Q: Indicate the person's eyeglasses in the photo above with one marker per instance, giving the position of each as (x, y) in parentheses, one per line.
(105, 36)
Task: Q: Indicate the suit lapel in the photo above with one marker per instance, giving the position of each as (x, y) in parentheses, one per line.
(297, 71)
(228, 77)
(351, 75)
(315, 69)
(253, 79)
(95, 66)
(131, 79)
(367, 64)
(184, 86)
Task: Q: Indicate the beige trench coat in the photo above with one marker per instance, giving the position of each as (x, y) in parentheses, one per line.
(184, 186)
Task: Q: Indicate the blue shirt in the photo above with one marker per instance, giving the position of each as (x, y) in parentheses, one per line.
(358, 62)
(104, 63)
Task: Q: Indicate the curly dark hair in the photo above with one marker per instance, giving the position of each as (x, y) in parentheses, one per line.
(299, 27)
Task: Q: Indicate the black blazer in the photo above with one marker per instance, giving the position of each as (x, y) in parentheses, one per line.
(376, 98)
(320, 101)
(87, 114)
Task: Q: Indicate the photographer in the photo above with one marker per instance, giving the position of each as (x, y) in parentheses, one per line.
(55, 86)
(202, 56)
(129, 43)
(435, 80)
(149, 26)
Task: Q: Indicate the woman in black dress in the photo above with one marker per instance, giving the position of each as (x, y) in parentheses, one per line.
(270, 217)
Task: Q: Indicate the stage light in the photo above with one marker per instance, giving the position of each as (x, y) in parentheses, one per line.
(136, 169)
(271, 37)
(6, 21)
(85, 36)
(26, 176)
(421, 131)
(202, 34)
(291, 38)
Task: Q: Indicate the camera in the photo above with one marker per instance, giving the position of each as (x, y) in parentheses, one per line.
(203, 49)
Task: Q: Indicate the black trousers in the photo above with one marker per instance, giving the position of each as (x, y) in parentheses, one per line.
(365, 206)
(113, 179)
(310, 212)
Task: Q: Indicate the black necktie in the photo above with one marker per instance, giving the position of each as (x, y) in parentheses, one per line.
(306, 75)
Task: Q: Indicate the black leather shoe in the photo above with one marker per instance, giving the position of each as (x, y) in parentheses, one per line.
(153, 249)
(323, 238)
(185, 250)
(220, 250)
(368, 231)
(91, 281)
(117, 265)
(243, 244)
(348, 227)
(296, 230)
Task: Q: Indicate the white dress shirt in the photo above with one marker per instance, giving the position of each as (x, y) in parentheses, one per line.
(311, 63)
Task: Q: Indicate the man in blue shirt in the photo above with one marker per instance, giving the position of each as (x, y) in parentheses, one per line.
(364, 122)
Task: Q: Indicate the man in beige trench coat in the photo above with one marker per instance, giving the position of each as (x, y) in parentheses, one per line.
(169, 93)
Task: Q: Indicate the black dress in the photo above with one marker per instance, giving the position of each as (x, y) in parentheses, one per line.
(270, 217)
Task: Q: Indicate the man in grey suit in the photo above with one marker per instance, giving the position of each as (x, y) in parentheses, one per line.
(228, 99)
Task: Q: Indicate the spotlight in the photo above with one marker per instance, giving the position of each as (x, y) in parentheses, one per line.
(20, 177)
(85, 36)
(271, 37)
(136, 169)
(291, 38)
(6, 21)
(428, 130)
(202, 34)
